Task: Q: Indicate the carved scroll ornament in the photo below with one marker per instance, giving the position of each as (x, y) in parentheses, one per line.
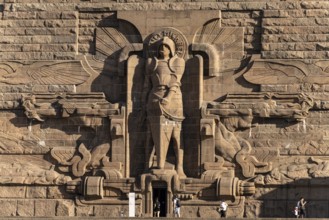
(68, 159)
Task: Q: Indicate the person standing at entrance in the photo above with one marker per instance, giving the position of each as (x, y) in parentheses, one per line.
(222, 209)
(301, 207)
(176, 205)
(156, 208)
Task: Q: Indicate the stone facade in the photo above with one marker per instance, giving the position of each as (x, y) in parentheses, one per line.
(206, 100)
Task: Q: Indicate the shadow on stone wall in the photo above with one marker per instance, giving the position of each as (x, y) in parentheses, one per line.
(114, 40)
(58, 132)
(279, 200)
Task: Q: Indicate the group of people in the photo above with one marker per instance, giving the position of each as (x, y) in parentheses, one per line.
(300, 211)
(177, 204)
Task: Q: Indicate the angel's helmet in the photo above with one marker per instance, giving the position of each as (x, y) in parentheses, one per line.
(169, 43)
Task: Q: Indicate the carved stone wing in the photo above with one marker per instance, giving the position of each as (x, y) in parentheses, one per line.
(44, 73)
(65, 73)
(272, 72)
(211, 38)
(113, 46)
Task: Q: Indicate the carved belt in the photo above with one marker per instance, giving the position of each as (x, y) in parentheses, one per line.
(162, 87)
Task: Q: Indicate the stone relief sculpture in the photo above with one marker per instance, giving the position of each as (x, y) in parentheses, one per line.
(298, 111)
(72, 162)
(250, 164)
(210, 39)
(28, 173)
(286, 72)
(235, 158)
(81, 113)
(113, 46)
(234, 149)
(164, 104)
(263, 163)
(20, 144)
(291, 169)
(43, 73)
(321, 168)
(30, 106)
(232, 115)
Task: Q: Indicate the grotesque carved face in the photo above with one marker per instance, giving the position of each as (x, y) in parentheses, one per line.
(164, 51)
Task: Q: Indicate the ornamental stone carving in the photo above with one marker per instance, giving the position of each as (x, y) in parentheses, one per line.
(164, 102)
(103, 106)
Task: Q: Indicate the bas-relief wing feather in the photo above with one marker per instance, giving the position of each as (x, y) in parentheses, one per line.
(267, 72)
(44, 73)
(7, 68)
(288, 72)
(323, 66)
(320, 73)
(265, 154)
(63, 156)
(111, 44)
(69, 73)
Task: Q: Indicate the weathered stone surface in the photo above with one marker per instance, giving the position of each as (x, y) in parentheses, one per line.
(12, 192)
(111, 211)
(84, 211)
(36, 192)
(45, 208)
(233, 106)
(8, 207)
(55, 192)
(25, 208)
(65, 208)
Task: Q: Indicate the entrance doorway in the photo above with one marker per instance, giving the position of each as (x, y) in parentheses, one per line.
(160, 193)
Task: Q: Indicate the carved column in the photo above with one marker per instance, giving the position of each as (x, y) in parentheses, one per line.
(119, 154)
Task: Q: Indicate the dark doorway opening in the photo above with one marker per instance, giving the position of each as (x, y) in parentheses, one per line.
(160, 193)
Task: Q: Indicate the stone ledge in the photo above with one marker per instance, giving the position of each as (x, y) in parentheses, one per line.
(125, 218)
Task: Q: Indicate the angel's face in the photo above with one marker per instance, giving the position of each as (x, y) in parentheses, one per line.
(164, 51)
